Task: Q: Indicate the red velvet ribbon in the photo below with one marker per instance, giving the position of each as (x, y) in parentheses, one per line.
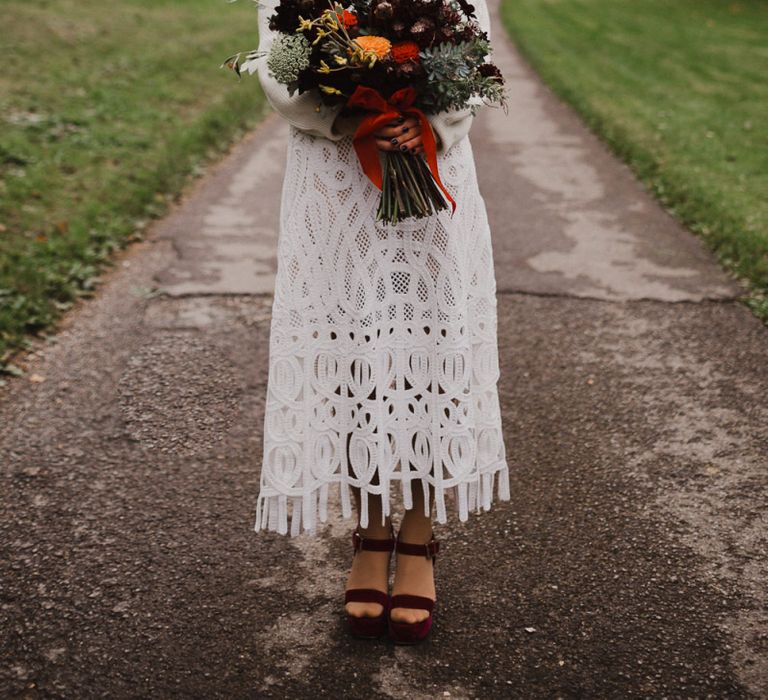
(385, 111)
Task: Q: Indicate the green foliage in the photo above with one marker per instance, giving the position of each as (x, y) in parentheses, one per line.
(678, 90)
(451, 72)
(117, 114)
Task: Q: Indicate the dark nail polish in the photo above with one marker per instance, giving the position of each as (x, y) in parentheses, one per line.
(403, 147)
(394, 141)
(400, 120)
(405, 129)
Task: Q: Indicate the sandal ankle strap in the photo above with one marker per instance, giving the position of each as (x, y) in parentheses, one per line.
(374, 545)
(366, 595)
(428, 550)
(415, 602)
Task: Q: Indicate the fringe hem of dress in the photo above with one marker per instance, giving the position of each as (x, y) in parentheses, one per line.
(305, 512)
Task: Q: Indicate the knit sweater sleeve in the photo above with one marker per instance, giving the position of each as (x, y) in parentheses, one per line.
(304, 111)
(452, 125)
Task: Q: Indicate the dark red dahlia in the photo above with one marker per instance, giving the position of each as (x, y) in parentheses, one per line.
(489, 70)
(405, 51)
(467, 8)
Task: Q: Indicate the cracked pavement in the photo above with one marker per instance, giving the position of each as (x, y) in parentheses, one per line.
(630, 561)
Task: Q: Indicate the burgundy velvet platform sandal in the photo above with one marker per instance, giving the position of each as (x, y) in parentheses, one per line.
(413, 633)
(369, 627)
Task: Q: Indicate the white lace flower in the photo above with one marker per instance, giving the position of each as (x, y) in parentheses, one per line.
(288, 56)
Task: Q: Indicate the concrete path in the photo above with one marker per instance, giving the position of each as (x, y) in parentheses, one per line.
(630, 562)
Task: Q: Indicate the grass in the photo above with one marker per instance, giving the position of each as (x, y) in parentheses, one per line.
(106, 111)
(678, 89)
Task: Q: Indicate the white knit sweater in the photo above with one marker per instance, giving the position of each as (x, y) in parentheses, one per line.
(304, 113)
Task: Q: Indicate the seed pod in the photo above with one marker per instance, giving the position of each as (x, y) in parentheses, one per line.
(383, 11)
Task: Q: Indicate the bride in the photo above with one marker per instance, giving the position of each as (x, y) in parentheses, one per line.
(383, 362)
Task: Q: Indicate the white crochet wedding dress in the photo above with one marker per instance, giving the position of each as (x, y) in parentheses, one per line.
(383, 360)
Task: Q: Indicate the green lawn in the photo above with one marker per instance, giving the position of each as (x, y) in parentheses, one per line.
(106, 111)
(679, 89)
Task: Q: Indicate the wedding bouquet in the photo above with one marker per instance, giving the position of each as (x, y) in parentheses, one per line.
(384, 59)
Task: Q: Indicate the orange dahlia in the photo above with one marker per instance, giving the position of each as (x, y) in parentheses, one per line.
(374, 44)
(405, 51)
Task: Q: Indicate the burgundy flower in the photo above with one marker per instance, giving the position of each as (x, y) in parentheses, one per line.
(467, 8)
(489, 70)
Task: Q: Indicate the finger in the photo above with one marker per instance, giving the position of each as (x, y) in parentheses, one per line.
(389, 131)
(395, 123)
(385, 145)
(398, 121)
(399, 128)
(409, 128)
(406, 135)
(413, 132)
(410, 144)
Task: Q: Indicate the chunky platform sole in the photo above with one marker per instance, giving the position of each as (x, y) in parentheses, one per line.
(406, 634)
(368, 627)
(412, 633)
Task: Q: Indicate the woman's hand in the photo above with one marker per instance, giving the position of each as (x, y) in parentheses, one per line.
(403, 134)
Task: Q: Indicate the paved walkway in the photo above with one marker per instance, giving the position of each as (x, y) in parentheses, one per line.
(629, 562)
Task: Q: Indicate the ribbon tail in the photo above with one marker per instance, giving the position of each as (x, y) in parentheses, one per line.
(365, 146)
(368, 155)
(430, 151)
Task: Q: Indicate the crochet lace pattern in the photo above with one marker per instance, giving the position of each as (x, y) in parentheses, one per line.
(383, 358)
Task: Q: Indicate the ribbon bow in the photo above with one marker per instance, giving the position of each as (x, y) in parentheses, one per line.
(364, 141)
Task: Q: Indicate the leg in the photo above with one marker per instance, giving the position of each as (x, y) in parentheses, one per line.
(414, 575)
(369, 569)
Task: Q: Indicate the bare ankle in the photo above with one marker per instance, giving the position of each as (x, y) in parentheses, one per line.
(376, 531)
(416, 528)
